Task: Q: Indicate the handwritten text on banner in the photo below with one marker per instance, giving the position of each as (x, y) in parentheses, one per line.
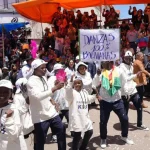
(99, 45)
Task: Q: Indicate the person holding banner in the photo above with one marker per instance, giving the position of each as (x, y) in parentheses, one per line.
(112, 80)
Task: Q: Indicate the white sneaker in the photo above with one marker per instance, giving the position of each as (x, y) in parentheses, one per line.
(103, 143)
(126, 140)
(143, 127)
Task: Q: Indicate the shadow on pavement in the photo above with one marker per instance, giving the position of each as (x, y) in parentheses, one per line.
(94, 143)
(132, 126)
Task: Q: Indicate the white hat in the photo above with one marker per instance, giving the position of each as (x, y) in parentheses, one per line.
(128, 53)
(58, 66)
(24, 63)
(81, 64)
(6, 83)
(5, 68)
(19, 82)
(77, 78)
(77, 58)
(37, 62)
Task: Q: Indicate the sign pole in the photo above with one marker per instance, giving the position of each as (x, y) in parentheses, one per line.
(3, 45)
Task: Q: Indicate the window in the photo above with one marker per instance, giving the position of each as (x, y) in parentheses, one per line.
(5, 3)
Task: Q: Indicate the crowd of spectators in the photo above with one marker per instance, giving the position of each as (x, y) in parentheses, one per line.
(61, 44)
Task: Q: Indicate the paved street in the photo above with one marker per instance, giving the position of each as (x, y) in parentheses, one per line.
(140, 138)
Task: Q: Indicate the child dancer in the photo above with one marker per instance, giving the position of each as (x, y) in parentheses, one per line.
(11, 135)
(79, 119)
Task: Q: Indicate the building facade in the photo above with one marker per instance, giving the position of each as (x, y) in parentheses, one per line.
(7, 4)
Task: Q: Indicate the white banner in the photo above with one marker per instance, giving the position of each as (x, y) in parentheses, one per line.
(99, 45)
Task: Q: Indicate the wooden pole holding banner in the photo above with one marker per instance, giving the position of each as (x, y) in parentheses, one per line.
(41, 22)
(100, 9)
(3, 46)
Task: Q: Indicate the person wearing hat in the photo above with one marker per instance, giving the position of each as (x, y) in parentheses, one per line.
(79, 119)
(22, 103)
(112, 80)
(11, 134)
(85, 75)
(26, 70)
(130, 93)
(59, 75)
(5, 73)
(43, 112)
(77, 60)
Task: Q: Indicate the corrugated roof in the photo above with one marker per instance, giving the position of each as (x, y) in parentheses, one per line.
(5, 11)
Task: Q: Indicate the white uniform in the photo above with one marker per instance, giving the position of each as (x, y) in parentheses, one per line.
(40, 95)
(11, 135)
(25, 114)
(79, 119)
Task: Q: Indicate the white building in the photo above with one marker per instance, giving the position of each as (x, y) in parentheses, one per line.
(8, 15)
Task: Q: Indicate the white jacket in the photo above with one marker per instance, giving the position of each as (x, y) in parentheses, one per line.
(69, 73)
(26, 72)
(79, 119)
(58, 96)
(130, 85)
(25, 113)
(39, 96)
(11, 135)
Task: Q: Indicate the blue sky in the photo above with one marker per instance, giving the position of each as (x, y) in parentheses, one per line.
(124, 9)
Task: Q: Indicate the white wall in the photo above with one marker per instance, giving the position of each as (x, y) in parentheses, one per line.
(10, 2)
(35, 26)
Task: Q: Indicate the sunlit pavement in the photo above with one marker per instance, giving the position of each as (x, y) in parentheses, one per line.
(140, 138)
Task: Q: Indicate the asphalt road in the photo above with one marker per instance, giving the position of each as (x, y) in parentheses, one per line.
(140, 138)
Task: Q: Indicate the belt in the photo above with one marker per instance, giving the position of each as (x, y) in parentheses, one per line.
(129, 95)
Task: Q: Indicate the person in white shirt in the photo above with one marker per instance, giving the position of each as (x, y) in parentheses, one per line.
(43, 112)
(21, 100)
(111, 80)
(58, 95)
(70, 70)
(26, 69)
(11, 134)
(79, 119)
(131, 94)
(85, 75)
(77, 60)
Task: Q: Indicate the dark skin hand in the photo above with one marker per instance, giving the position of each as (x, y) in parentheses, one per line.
(9, 113)
(24, 93)
(55, 104)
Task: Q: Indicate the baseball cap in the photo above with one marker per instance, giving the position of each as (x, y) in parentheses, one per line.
(19, 82)
(37, 62)
(6, 83)
(58, 66)
(128, 53)
(77, 58)
(77, 78)
(4, 68)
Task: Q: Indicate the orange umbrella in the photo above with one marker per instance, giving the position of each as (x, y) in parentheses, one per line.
(37, 10)
(43, 10)
(90, 3)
